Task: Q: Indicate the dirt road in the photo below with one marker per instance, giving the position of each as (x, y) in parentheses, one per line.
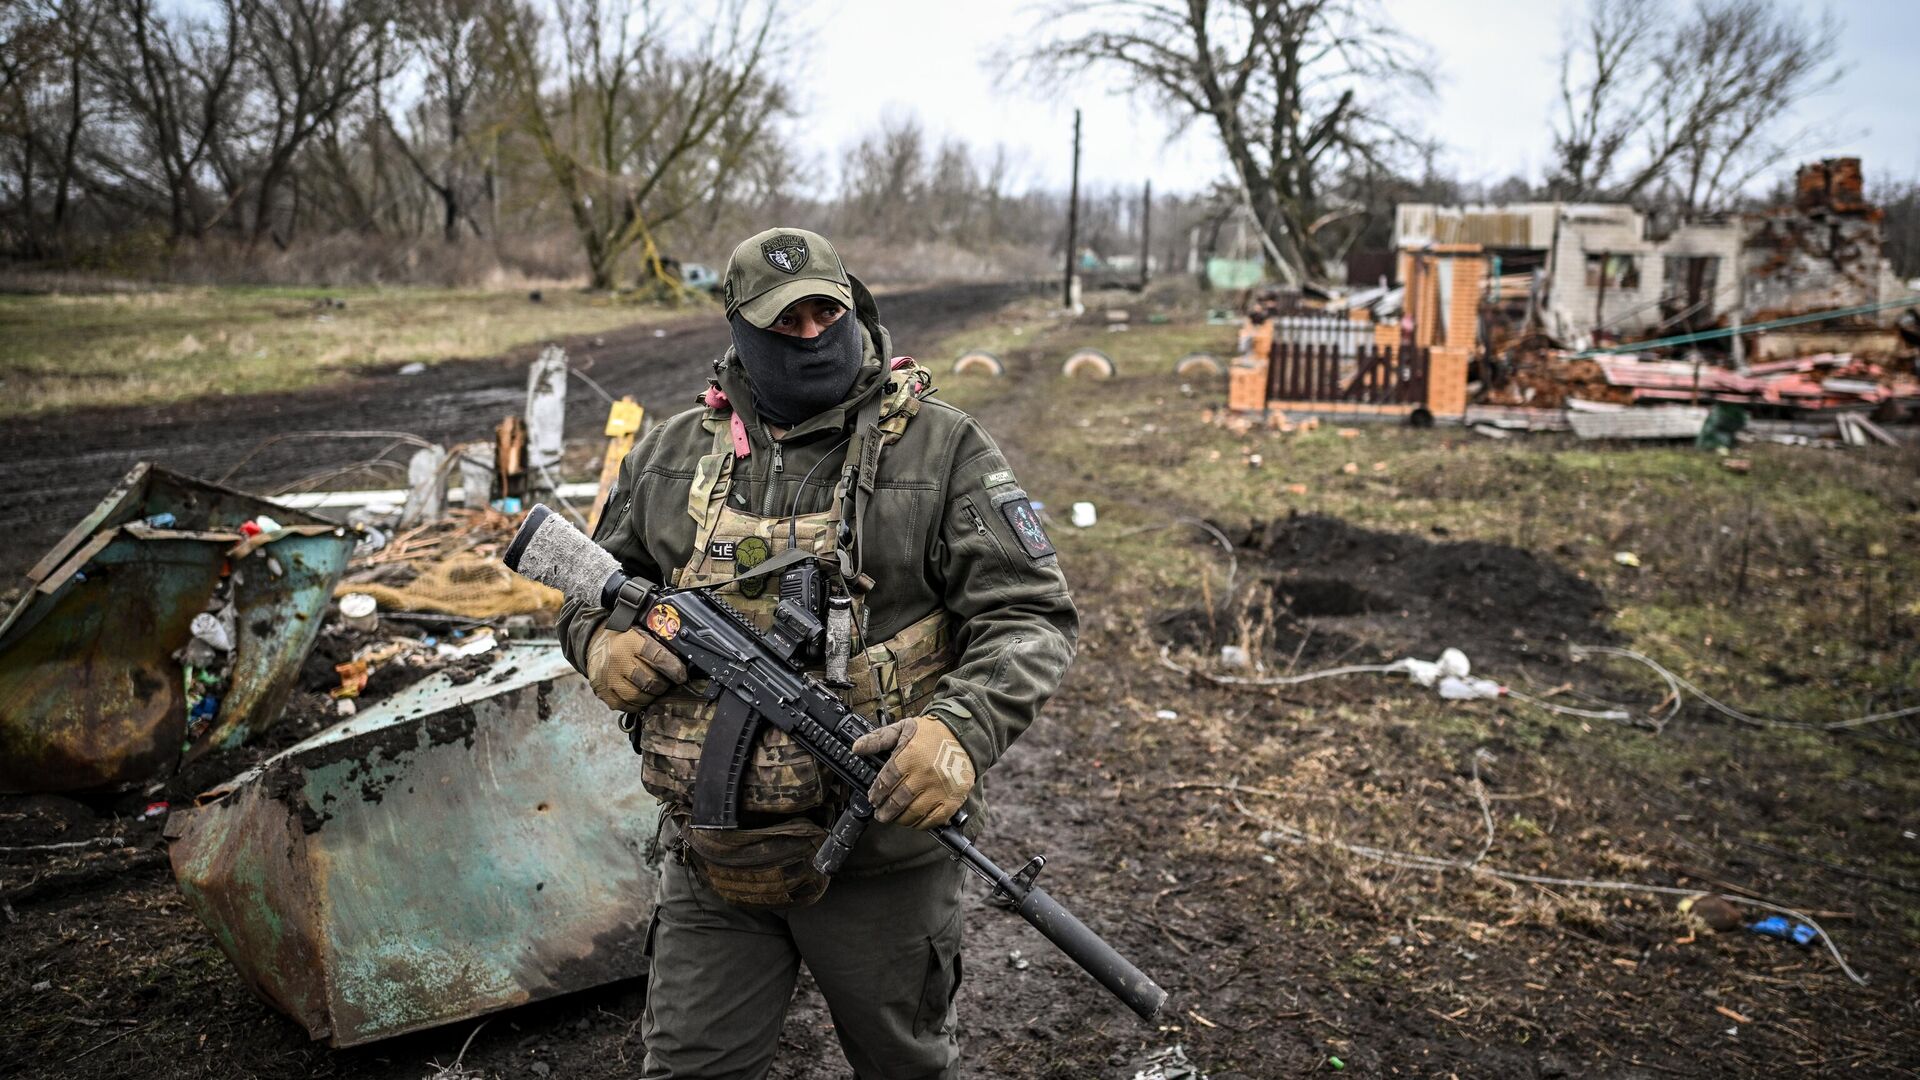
(53, 469)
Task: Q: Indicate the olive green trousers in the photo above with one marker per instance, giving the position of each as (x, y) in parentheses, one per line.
(884, 950)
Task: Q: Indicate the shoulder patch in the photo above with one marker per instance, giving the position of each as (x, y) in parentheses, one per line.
(1026, 526)
(993, 479)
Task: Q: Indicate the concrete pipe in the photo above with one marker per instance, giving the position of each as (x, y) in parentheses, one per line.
(1091, 363)
(979, 362)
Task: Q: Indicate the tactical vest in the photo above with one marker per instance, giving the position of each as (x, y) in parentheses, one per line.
(786, 799)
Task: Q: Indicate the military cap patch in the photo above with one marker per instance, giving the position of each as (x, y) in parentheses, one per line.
(786, 252)
(1026, 525)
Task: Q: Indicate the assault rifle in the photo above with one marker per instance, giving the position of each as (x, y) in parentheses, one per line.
(757, 678)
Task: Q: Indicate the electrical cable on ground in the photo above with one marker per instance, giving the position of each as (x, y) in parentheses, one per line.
(1166, 661)
(591, 385)
(1233, 558)
(1414, 861)
(1677, 683)
(397, 436)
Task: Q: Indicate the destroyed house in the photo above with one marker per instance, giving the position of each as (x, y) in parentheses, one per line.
(1595, 272)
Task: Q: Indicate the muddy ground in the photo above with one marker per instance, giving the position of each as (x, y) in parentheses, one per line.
(54, 468)
(1171, 837)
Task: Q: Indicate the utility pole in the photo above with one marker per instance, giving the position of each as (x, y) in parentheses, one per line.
(1073, 217)
(1146, 234)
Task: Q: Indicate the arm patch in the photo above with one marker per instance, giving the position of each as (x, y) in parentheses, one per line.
(1026, 527)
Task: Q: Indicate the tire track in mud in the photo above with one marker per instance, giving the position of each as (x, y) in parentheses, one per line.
(53, 469)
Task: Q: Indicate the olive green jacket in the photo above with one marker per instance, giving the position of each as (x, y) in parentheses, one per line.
(939, 533)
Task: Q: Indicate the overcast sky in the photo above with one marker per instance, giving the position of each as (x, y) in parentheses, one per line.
(1496, 70)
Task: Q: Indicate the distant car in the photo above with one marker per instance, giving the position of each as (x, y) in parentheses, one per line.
(697, 276)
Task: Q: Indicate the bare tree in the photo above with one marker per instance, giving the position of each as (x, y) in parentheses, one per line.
(885, 178)
(313, 59)
(1291, 88)
(1684, 110)
(176, 83)
(638, 121)
(1601, 106)
(27, 54)
(458, 55)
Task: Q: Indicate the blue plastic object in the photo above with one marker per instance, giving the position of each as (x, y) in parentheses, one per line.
(1781, 927)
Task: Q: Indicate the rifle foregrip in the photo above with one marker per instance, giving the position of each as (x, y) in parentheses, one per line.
(1091, 952)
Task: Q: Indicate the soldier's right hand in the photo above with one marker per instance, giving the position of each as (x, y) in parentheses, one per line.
(630, 669)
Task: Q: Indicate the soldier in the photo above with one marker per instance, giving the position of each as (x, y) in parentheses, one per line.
(809, 435)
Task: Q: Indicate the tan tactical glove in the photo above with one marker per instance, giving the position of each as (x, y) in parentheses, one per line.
(926, 779)
(630, 669)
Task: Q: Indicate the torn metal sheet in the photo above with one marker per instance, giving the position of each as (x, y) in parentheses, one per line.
(461, 848)
(90, 695)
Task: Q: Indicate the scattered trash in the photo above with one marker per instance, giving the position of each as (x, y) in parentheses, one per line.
(1627, 558)
(360, 612)
(209, 628)
(414, 368)
(154, 810)
(1169, 1064)
(480, 642)
(1457, 688)
(329, 871)
(1452, 664)
(1335, 1063)
(1084, 515)
(1016, 961)
(353, 678)
(1740, 465)
(1234, 656)
(1781, 927)
(1165, 714)
(1715, 912)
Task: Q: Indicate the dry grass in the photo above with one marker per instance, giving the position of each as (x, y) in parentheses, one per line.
(156, 346)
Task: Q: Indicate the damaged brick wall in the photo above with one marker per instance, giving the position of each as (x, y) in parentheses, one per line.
(1825, 251)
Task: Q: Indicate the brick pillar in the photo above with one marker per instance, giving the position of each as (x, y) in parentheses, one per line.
(1463, 309)
(1447, 382)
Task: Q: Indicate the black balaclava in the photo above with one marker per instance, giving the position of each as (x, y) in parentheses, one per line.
(795, 379)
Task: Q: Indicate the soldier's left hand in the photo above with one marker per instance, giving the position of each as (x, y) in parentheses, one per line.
(928, 777)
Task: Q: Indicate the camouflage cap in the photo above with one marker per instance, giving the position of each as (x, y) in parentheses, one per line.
(772, 269)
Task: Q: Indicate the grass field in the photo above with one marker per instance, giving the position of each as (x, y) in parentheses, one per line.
(176, 344)
(1787, 590)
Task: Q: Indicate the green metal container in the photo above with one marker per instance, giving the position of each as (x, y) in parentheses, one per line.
(461, 848)
(90, 695)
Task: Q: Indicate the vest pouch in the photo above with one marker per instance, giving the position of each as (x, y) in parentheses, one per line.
(781, 778)
(760, 868)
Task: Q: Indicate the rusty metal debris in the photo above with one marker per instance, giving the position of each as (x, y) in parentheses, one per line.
(106, 678)
(474, 843)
